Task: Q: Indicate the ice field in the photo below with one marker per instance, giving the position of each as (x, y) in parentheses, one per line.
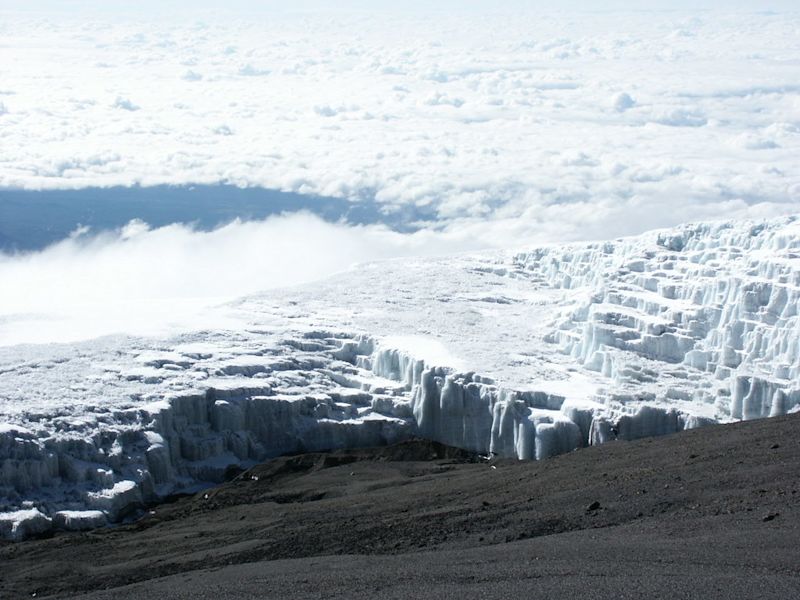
(523, 354)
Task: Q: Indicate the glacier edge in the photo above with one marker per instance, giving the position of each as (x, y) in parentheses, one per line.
(637, 337)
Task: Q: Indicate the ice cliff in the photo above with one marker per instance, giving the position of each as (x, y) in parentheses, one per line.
(545, 351)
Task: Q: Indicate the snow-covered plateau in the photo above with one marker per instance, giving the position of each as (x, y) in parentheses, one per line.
(522, 354)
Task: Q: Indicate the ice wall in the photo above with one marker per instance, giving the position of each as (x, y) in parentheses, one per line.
(101, 464)
(462, 410)
(715, 305)
(472, 412)
(104, 466)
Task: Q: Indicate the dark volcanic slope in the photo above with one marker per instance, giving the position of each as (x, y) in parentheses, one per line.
(710, 513)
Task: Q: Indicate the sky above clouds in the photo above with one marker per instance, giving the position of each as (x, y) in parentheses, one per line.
(482, 130)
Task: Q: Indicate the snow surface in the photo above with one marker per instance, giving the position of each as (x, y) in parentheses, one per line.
(526, 354)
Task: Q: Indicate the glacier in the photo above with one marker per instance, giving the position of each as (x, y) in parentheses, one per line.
(526, 354)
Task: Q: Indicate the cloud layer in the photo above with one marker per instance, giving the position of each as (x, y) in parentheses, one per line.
(560, 125)
(155, 281)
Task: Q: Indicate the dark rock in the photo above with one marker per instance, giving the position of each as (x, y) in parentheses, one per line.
(769, 517)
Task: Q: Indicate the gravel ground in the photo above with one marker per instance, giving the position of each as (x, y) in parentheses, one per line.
(709, 513)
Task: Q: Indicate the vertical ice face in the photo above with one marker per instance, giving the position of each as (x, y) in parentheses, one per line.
(177, 419)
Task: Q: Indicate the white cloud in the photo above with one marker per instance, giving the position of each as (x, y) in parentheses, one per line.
(623, 102)
(192, 76)
(280, 6)
(141, 280)
(125, 104)
(459, 118)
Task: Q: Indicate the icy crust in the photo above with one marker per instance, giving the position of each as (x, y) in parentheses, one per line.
(703, 314)
(20, 524)
(583, 344)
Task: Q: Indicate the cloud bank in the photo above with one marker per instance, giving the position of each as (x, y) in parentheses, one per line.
(393, 6)
(575, 124)
(145, 281)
